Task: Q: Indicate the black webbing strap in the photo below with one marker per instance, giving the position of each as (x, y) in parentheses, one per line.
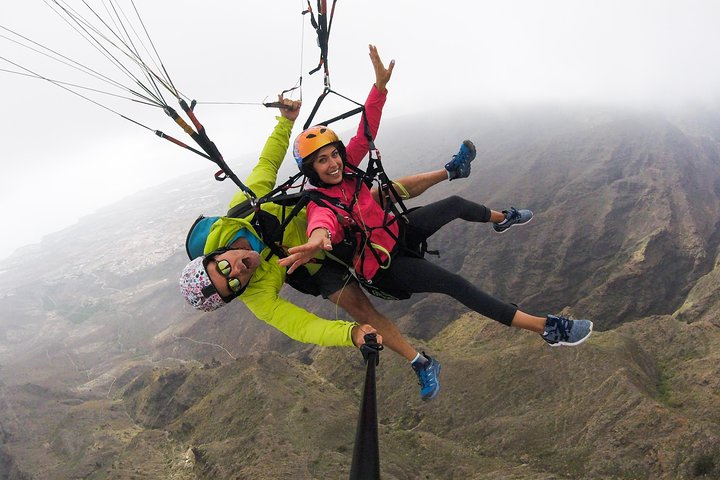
(308, 123)
(201, 138)
(375, 172)
(322, 27)
(278, 196)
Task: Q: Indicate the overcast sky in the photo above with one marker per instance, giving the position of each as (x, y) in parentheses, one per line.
(63, 157)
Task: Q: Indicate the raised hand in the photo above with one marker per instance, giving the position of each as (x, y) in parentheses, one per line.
(290, 113)
(382, 74)
(302, 254)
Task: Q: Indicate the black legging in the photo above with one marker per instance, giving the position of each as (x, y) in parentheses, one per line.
(418, 275)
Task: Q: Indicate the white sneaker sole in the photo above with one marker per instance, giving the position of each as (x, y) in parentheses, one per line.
(572, 344)
(524, 223)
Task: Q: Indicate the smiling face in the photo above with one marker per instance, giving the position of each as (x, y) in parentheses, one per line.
(328, 165)
(243, 264)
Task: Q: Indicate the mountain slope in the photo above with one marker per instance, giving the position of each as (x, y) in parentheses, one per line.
(107, 374)
(626, 215)
(638, 401)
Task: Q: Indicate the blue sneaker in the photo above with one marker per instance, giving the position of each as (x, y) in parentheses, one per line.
(563, 331)
(428, 377)
(459, 166)
(513, 217)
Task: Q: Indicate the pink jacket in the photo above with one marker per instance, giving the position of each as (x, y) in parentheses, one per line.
(366, 212)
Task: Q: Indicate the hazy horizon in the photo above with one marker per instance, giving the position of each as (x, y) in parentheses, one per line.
(65, 157)
(518, 111)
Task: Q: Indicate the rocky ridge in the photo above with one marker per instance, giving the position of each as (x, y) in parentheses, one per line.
(106, 375)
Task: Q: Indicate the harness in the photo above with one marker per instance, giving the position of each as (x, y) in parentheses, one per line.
(357, 237)
(271, 229)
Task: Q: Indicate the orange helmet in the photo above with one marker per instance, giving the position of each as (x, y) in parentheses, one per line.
(309, 142)
(312, 140)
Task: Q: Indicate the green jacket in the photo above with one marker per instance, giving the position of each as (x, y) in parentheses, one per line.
(262, 294)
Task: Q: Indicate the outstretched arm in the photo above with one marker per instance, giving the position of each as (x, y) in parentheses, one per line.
(413, 185)
(264, 302)
(262, 178)
(357, 147)
(319, 239)
(323, 230)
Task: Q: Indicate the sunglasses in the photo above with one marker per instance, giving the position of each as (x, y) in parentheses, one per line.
(224, 268)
